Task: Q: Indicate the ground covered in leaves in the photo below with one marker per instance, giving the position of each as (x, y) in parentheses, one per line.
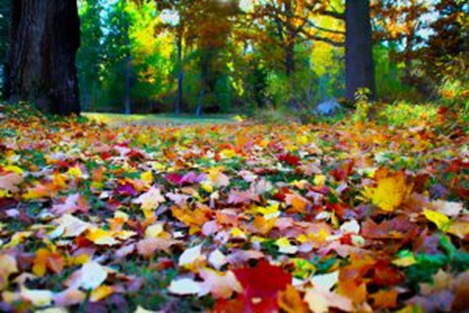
(232, 218)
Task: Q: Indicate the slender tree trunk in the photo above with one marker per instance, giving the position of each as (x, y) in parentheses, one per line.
(290, 60)
(359, 72)
(180, 97)
(128, 71)
(290, 55)
(44, 39)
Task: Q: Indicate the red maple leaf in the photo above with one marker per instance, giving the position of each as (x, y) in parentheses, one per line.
(290, 159)
(261, 285)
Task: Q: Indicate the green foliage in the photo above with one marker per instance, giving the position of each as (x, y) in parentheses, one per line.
(363, 106)
(402, 113)
(389, 84)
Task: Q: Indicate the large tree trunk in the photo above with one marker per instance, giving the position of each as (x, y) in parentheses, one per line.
(358, 48)
(45, 36)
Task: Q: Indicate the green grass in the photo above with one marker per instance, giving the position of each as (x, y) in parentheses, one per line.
(161, 119)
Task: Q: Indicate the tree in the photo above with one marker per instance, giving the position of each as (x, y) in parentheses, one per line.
(180, 9)
(5, 8)
(359, 67)
(447, 48)
(211, 26)
(45, 36)
(90, 55)
(293, 27)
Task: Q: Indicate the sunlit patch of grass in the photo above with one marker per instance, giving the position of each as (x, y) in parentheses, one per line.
(139, 119)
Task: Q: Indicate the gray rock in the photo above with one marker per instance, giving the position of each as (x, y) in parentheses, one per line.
(329, 107)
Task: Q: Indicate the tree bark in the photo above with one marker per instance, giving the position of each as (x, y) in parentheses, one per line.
(44, 39)
(359, 68)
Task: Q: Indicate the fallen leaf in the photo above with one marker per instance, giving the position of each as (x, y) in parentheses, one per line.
(390, 192)
(89, 277)
(185, 286)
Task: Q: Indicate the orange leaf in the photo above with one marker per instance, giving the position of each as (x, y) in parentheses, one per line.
(290, 301)
(385, 299)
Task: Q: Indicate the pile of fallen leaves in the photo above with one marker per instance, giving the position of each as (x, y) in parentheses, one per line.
(231, 218)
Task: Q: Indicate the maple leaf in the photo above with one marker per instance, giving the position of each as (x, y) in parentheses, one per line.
(101, 293)
(391, 191)
(101, 237)
(185, 286)
(8, 266)
(38, 192)
(46, 259)
(69, 226)
(39, 298)
(262, 282)
(290, 159)
(217, 178)
(150, 200)
(9, 182)
(69, 297)
(72, 204)
(385, 299)
(290, 301)
(242, 197)
(148, 246)
(320, 300)
(89, 277)
(297, 203)
(219, 284)
(217, 259)
(191, 256)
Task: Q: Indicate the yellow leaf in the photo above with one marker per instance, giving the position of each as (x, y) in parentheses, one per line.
(147, 177)
(18, 238)
(80, 259)
(405, 261)
(101, 237)
(40, 262)
(37, 192)
(439, 219)
(302, 140)
(101, 292)
(303, 268)
(153, 231)
(238, 233)
(390, 192)
(12, 168)
(228, 153)
(269, 212)
(284, 246)
(75, 172)
(207, 187)
(320, 180)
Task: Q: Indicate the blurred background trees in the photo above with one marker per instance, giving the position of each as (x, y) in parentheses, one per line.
(214, 56)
